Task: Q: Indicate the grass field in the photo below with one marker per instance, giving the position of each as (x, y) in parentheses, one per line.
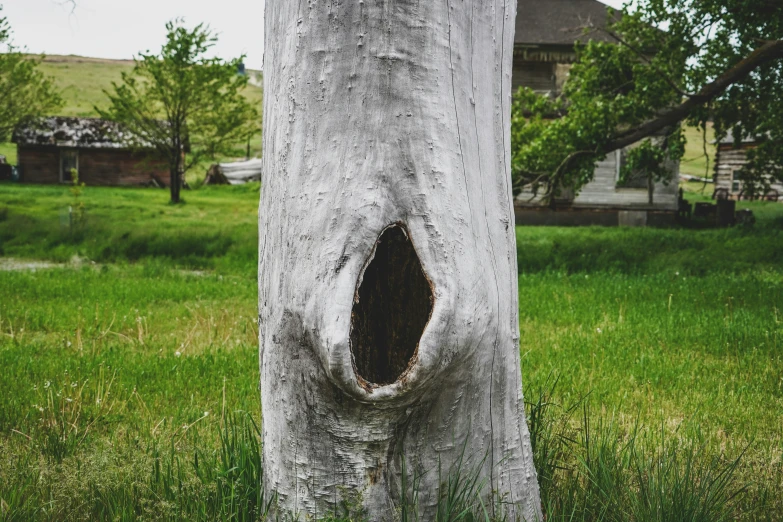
(700, 150)
(130, 382)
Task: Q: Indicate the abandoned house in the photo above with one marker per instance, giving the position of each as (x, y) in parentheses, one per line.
(544, 50)
(730, 159)
(546, 32)
(48, 150)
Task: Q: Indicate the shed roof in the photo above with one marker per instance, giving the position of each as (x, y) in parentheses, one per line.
(559, 22)
(82, 133)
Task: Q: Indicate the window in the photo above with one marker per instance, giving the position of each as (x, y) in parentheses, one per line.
(636, 180)
(69, 161)
(736, 180)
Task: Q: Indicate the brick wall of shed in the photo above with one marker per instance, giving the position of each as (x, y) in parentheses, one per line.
(119, 168)
(39, 164)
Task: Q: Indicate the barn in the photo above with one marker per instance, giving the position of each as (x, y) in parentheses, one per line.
(730, 158)
(544, 51)
(49, 149)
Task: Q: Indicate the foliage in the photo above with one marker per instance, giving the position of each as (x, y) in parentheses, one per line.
(26, 92)
(665, 52)
(181, 101)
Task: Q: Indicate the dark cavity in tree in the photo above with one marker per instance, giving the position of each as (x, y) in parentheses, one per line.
(393, 306)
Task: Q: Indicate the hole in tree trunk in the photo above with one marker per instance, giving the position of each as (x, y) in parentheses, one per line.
(391, 309)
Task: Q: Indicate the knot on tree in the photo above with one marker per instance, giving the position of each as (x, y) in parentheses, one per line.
(392, 306)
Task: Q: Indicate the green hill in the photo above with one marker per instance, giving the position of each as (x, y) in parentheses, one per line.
(83, 81)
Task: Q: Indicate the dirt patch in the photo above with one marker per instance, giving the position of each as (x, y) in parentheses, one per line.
(12, 265)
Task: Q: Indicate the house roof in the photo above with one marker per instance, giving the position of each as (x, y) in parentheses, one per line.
(728, 139)
(82, 133)
(559, 22)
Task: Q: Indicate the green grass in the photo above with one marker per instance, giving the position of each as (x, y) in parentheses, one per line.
(82, 82)
(130, 380)
(695, 162)
(216, 227)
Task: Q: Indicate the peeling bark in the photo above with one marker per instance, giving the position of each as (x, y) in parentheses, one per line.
(388, 305)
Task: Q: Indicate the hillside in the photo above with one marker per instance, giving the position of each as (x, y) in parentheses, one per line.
(83, 81)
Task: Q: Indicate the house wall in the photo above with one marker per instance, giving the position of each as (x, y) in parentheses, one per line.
(107, 167)
(728, 160)
(97, 167)
(603, 193)
(539, 76)
(39, 164)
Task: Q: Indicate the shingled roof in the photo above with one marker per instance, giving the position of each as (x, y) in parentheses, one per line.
(559, 22)
(82, 133)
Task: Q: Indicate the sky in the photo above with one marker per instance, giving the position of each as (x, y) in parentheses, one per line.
(121, 28)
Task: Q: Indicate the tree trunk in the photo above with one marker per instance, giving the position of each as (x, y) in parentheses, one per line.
(175, 184)
(388, 306)
(650, 189)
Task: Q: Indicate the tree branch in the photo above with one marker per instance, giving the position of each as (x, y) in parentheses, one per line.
(770, 51)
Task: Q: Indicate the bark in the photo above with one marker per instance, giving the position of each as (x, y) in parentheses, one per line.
(388, 305)
(174, 184)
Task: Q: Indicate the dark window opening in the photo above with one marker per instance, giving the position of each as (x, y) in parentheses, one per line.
(392, 307)
(69, 163)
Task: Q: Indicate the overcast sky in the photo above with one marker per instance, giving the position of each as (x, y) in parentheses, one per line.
(122, 28)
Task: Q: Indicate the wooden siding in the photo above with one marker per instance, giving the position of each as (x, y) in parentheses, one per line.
(97, 167)
(728, 160)
(603, 191)
(39, 164)
(119, 168)
(539, 76)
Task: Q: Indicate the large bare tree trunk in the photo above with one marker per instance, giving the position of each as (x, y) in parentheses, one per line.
(387, 273)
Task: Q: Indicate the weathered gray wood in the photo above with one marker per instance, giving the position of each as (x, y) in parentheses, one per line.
(728, 161)
(379, 113)
(602, 192)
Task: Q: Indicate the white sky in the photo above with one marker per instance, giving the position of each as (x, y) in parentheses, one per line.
(122, 28)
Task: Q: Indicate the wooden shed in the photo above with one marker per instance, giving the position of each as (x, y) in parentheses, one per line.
(48, 150)
(730, 158)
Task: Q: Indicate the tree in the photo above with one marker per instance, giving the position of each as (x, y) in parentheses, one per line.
(181, 101)
(388, 306)
(672, 61)
(27, 93)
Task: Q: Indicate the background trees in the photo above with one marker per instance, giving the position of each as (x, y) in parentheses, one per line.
(25, 92)
(673, 61)
(182, 101)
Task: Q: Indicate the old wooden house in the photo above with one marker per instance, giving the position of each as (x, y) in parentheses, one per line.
(547, 33)
(48, 150)
(730, 158)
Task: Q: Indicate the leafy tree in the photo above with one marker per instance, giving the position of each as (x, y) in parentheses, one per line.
(180, 101)
(672, 61)
(25, 92)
